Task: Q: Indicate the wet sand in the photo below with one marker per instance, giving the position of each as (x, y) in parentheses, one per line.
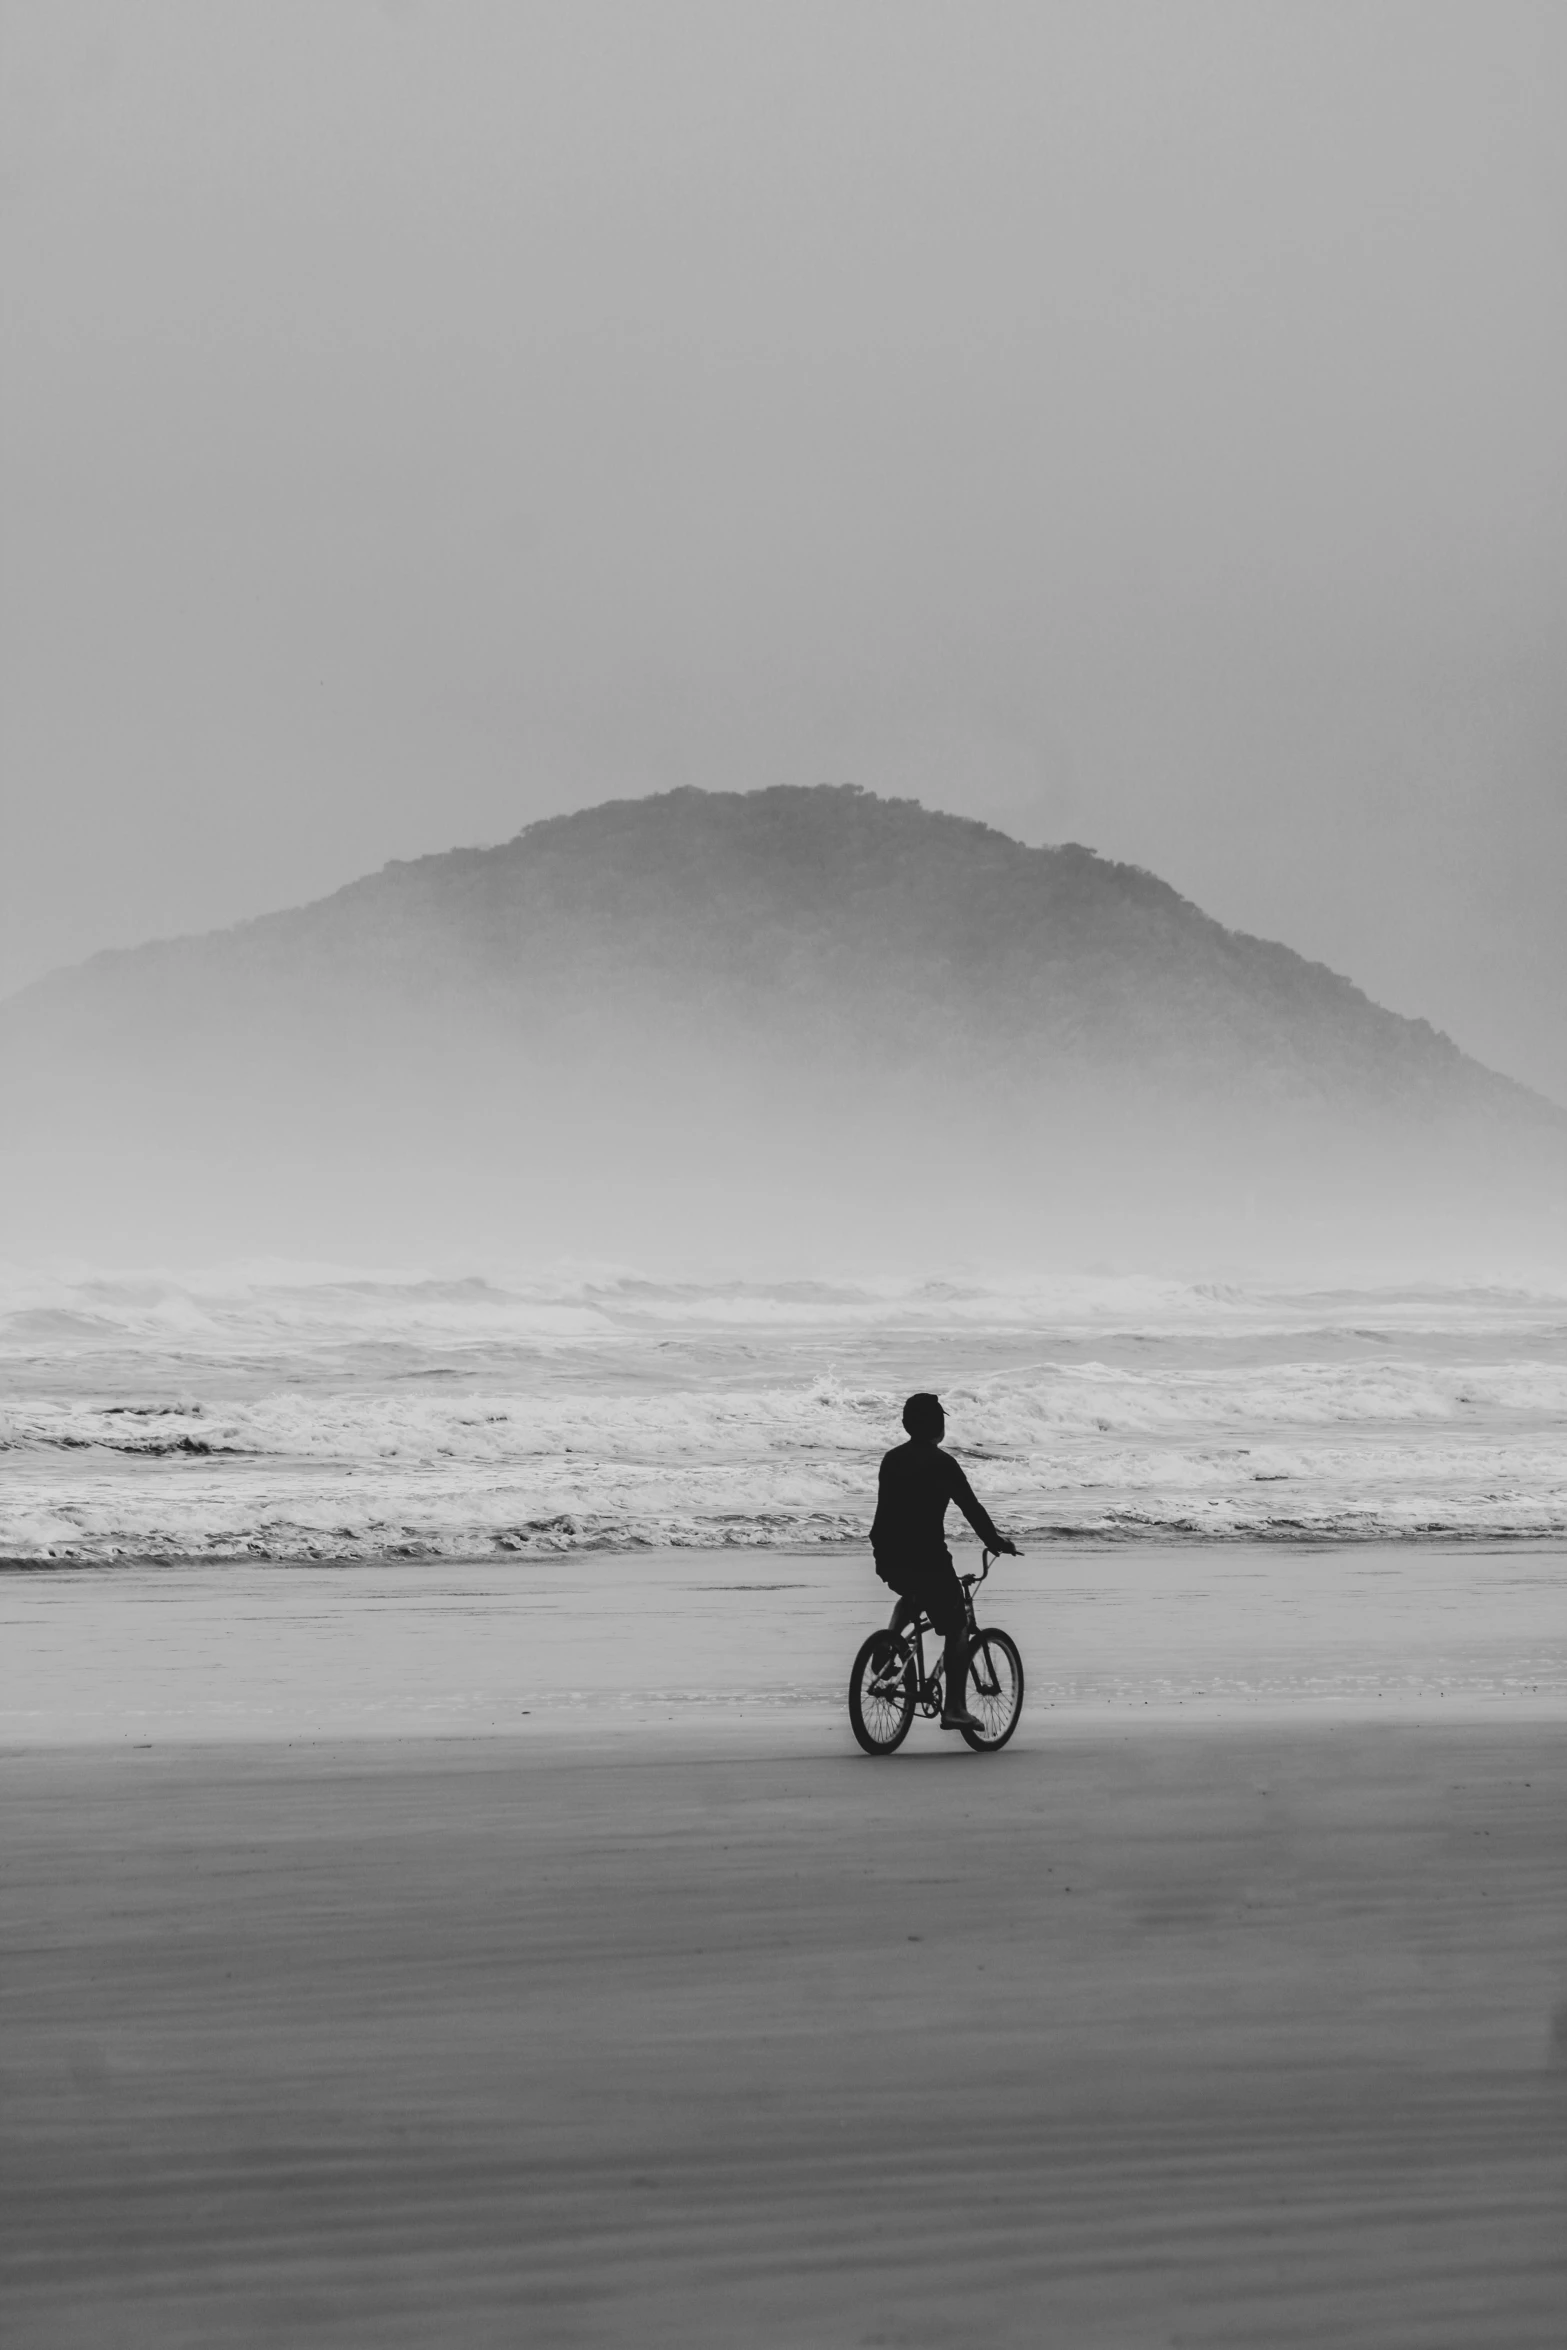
(717, 2033)
(431, 1648)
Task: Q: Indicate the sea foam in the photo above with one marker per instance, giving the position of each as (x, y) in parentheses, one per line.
(326, 1412)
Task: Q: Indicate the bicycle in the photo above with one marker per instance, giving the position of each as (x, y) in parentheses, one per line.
(889, 1686)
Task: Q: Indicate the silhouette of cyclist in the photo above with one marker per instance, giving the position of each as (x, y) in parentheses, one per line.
(916, 1482)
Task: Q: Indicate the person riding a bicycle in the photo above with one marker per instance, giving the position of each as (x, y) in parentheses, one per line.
(916, 1482)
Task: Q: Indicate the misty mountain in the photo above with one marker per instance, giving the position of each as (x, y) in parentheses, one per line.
(876, 934)
(715, 981)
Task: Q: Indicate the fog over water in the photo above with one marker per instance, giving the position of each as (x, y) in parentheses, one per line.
(697, 1131)
(772, 1035)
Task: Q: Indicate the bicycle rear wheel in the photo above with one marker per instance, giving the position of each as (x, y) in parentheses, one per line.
(995, 1689)
(881, 1694)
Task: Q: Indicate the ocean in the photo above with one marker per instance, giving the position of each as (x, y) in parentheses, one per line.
(319, 1412)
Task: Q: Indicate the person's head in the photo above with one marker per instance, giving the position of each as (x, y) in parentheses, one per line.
(924, 1418)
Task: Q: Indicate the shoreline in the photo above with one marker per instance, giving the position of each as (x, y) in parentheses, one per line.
(1046, 1543)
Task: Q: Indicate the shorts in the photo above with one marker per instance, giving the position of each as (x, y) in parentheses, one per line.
(932, 1585)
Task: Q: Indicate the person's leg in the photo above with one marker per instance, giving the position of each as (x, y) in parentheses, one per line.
(957, 1672)
(949, 1615)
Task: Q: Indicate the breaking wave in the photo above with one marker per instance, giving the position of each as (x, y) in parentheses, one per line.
(316, 1412)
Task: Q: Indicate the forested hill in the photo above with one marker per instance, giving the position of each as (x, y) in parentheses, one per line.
(822, 934)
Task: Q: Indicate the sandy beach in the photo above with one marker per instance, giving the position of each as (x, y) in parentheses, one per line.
(1184, 2037)
(1231, 2020)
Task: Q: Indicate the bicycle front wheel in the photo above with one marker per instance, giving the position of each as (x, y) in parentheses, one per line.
(995, 1689)
(881, 1694)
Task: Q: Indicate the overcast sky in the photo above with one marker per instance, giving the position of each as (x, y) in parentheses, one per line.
(1142, 425)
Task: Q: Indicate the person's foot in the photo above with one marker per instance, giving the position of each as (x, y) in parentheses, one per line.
(960, 1719)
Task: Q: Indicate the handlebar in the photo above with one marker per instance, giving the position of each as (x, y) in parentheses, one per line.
(973, 1582)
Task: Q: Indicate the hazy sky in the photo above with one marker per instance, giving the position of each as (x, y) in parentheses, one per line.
(1135, 424)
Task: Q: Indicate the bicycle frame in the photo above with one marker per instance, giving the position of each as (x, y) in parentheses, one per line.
(929, 1692)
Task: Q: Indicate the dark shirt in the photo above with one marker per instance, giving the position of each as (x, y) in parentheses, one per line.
(916, 1483)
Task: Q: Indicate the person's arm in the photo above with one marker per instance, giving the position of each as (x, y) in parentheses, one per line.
(879, 1523)
(962, 1492)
